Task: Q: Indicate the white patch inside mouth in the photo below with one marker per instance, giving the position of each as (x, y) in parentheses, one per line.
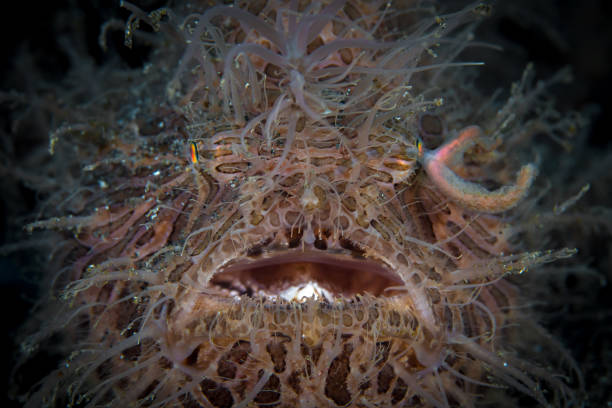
(311, 290)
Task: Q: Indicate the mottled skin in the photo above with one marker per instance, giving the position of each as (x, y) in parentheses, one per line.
(290, 145)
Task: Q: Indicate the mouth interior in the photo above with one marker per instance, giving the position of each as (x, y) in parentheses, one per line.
(296, 277)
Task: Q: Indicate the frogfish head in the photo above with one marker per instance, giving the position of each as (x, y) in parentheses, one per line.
(325, 214)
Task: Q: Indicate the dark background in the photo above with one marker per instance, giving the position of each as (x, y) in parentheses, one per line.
(551, 33)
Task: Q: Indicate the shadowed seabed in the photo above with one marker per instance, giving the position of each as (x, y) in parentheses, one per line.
(298, 204)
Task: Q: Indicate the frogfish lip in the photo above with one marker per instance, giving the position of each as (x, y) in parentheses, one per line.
(299, 274)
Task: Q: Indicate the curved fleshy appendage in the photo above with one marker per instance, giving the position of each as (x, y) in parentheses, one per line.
(467, 194)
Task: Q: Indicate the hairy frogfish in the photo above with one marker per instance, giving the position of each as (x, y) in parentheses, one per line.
(296, 204)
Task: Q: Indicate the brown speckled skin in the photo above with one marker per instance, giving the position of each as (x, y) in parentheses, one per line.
(322, 169)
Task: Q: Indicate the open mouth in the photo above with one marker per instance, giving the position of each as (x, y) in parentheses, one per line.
(297, 275)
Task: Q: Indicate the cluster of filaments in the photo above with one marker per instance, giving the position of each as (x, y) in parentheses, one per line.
(338, 62)
(322, 112)
(321, 150)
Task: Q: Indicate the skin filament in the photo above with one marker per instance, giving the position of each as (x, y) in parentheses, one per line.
(467, 194)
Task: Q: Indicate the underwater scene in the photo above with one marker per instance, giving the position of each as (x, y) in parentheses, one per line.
(288, 203)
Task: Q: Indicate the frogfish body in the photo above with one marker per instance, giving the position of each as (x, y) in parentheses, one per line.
(294, 204)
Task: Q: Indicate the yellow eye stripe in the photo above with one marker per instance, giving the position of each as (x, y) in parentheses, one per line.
(194, 153)
(419, 147)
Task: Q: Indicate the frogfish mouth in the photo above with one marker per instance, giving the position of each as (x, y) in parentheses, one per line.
(294, 204)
